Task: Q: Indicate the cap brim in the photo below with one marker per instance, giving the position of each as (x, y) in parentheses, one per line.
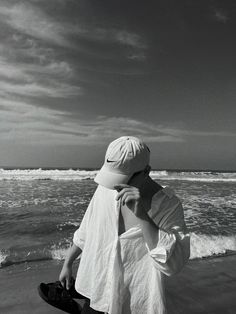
(110, 179)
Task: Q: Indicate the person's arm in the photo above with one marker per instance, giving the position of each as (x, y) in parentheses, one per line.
(65, 276)
(73, 253)
(150, 230)
(167, 243)
(77, 247)
(169, 247)
(130, 196)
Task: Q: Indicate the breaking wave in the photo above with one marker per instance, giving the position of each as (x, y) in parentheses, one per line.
(202, 246)
(80, 174)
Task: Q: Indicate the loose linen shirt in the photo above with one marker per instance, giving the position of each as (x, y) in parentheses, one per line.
(118, 273)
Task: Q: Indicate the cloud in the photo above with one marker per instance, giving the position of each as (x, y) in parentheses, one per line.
(55, 90)
(220, 15)
(27, 123)
(26, 71)
(137, 57)
(46, 77)
(130, 39)
(32, 21)
(115, 35)
(24, 47)
(12, 71)
(31, 64)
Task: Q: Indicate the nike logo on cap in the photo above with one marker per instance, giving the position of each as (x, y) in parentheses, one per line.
(110, 160)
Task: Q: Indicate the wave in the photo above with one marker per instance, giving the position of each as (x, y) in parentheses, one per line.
(9, 262)
(3, 258)
(12, 258)
(201, 246)
(80, 174)
(41, 174)
(199, 176)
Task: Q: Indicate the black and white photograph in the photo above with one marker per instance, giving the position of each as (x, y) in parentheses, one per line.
(117, 156)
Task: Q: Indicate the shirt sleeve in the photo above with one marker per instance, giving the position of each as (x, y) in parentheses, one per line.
(173, 248)
(164, 248)
(79, 237)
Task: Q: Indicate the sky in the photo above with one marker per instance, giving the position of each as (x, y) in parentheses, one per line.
(77, 74)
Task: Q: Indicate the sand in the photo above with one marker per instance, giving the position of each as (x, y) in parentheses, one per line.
(204, 286)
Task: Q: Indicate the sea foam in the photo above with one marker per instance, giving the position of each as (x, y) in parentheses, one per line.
(3, 257)
(202, 245)
(71, 174)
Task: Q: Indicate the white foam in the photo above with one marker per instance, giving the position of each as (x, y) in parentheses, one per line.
(3, 258)
(159, 174)
(70, 174)
(207, 245)
(59, 253)
(41, 174)
(198, 176)
(201, 245)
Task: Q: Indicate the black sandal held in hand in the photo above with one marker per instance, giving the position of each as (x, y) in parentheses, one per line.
(56, 295)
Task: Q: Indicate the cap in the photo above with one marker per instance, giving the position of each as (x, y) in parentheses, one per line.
(124, 156)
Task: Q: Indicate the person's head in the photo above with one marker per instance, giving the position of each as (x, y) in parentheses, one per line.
(125, 158)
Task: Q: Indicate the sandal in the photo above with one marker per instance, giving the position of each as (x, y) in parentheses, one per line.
(57, 296)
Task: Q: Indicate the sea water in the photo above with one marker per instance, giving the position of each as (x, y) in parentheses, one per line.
(41, 209)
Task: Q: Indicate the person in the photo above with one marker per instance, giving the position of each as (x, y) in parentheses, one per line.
(132, 235)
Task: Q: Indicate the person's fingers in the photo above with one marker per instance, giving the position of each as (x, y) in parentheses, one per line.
(124, 196)
(121, 193)
(125, 190)
(68, 283)
(129, 196)
(128, 199)
(62, 281)
(121, 186)
(130, 193)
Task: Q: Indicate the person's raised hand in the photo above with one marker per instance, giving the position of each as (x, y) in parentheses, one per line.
(131, 193)
(131, 197)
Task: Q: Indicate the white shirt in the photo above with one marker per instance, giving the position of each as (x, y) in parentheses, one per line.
(119, 274)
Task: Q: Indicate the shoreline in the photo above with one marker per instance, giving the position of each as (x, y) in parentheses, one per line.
(8, 263)
(205, 285)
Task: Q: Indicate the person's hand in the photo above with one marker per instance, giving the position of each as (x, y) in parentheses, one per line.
(65, 276)
(131, 197)
(130, 194)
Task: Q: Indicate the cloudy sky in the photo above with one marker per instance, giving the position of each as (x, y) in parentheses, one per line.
(76, 74)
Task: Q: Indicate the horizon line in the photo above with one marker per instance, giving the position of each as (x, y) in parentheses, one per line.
(94, 169)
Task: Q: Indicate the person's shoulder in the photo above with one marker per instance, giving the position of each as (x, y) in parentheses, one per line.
(167, 195)
(165, 204)
(170, 192)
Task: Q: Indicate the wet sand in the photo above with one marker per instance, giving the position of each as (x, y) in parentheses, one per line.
(204, 286)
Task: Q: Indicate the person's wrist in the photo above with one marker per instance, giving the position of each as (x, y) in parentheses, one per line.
(68, 263)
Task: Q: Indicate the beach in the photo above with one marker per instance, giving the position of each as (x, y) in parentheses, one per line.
(41, 209)
(204, 286)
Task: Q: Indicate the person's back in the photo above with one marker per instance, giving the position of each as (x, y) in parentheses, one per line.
(132, 235)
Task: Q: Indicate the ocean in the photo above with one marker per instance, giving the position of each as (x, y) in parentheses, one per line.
(40, 210)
